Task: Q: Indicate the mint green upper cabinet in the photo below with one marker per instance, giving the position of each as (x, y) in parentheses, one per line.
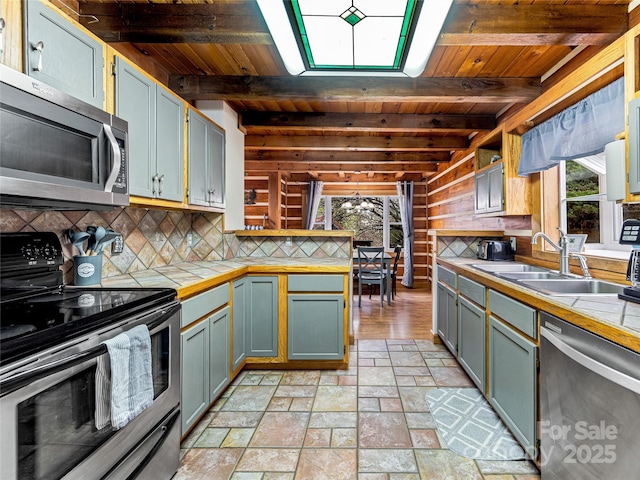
(206, 162)
(69, 60)
(155, 117)
(489, 189)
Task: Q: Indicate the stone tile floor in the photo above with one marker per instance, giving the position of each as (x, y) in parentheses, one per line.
(370, 422)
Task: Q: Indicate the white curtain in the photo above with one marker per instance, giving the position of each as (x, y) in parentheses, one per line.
(405, 194)
(313, 201)
(578, 131)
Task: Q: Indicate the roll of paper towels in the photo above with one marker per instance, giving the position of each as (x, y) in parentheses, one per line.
(614, 154)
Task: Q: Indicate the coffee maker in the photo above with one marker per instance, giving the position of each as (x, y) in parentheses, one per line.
(631, 236)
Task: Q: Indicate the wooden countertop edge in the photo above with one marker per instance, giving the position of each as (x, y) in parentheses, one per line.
(196, 288)
(294, 233)
(617, 334)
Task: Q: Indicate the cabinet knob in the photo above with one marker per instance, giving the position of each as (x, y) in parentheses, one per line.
(39, 47)
(2, 25)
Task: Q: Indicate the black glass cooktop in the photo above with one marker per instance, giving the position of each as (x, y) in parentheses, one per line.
(33, 323)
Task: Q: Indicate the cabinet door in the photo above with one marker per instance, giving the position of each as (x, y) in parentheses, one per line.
(512, 381)
(219, 352)
(194, 354)
(471, 340)
(261, 327)
(71, 60)
(198, 158)
(634, 143)
(238, 321)
(447, 312)
(316, 327)
(496, 189)
(136, 103)
(482, 191)
(169, 145)
(216, 166)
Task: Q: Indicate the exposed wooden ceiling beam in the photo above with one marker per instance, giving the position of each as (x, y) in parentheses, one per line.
(366, 122)
(358, 89)
(327, 167)
(331, 178)
(220, 22)
(239, 21)
(342, 156)
(354, 143)
(534, 24)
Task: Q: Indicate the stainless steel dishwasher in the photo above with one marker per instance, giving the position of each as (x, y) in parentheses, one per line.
(589, 405)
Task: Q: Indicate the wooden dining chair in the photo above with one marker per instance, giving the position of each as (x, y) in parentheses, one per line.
(370, 271)
(394, 270)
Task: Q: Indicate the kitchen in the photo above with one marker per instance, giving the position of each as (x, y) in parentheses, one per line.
(160, 236)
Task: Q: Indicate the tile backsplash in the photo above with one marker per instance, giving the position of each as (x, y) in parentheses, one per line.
(152, 238)
(466, 247)
(155, 238)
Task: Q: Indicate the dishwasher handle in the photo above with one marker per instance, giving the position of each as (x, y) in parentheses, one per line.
(589, 363)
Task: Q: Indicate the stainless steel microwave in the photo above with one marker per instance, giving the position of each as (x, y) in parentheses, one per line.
(57, 151)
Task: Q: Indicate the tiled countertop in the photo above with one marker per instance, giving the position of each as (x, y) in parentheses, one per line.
(190, 278)
(604, 315)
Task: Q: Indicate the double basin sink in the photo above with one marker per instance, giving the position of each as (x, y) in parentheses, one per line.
(550, 282)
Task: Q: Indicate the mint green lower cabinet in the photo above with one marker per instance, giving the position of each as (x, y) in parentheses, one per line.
(447, 314)
(238, 322)
(219, 351)
(261, 327)
(471, 340)
(316, 326)
(194, 355)
(512, 381)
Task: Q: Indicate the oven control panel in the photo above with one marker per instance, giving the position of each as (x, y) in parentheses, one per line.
(26, 250)
(630, 234)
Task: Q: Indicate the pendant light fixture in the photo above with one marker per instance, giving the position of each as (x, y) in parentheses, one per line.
(356, 202)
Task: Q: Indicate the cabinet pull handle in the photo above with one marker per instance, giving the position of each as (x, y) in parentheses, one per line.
(39, 47)
(2, 25)
(160, 184)
(154, 179)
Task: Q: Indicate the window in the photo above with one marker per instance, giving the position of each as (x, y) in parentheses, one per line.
(381, 225)
(584, 208)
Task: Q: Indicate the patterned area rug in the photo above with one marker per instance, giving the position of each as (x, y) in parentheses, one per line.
(470, 427)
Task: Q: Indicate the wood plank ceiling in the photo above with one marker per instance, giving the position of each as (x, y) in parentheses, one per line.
(492, 57)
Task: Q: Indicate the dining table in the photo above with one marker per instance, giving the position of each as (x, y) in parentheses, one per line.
(386, 265)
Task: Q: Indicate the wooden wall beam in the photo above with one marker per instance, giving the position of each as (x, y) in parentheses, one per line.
(356, 89)
(275, 201)
(366, 122)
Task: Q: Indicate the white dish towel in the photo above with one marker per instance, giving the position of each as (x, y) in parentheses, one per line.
(124, 382)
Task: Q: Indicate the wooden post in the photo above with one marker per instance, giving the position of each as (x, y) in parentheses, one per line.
(275, 202)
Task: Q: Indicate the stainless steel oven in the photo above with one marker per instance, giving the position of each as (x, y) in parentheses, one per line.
(57, 151)
(50, 343)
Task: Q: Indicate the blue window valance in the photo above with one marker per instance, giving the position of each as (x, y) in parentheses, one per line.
(578, 131)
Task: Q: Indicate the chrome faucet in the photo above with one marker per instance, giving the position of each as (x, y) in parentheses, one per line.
(583, 264)
(563, 249)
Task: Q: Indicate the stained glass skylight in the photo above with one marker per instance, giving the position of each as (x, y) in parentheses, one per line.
(353, 34)
(355, 37)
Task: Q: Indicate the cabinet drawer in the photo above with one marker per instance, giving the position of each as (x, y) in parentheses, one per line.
(198, 306)
(514, 313)
(447, 276)
(316, 283)
(472, 290)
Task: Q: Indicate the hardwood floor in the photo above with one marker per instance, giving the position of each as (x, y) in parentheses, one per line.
(408, 316)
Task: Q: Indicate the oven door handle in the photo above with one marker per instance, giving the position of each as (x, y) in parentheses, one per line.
(26, 377)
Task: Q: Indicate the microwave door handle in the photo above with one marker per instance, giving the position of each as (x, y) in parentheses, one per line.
(117, 159)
